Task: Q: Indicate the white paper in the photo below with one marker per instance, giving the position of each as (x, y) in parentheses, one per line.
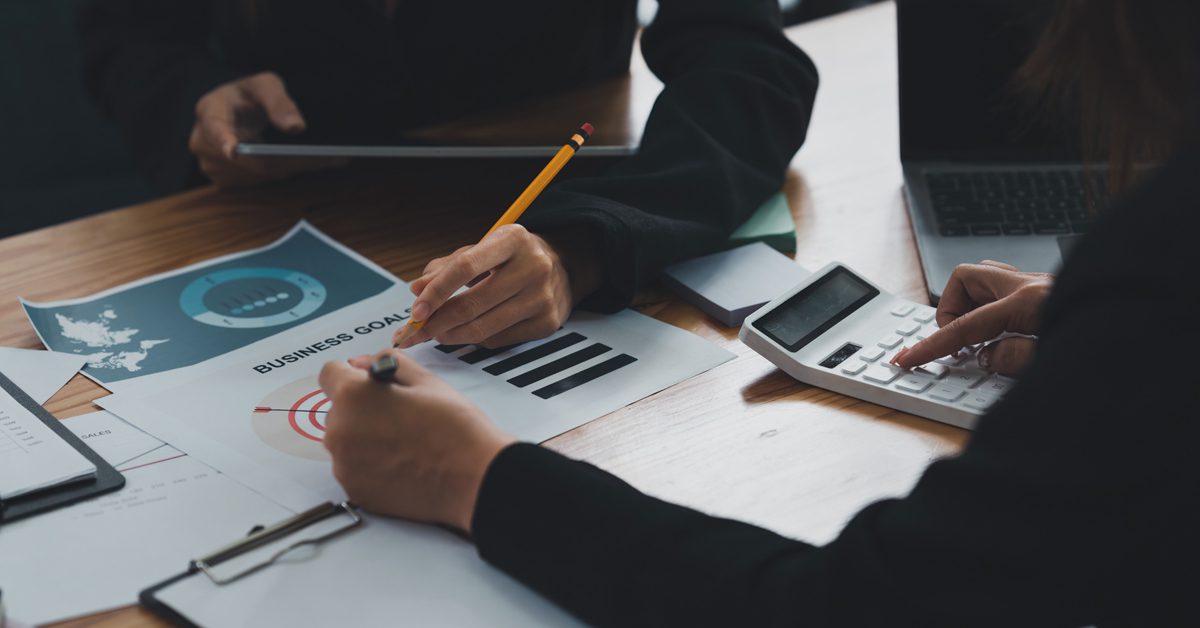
(39, 373)
(98, 554)
(32, 456)
(115, 440)
(278, 453)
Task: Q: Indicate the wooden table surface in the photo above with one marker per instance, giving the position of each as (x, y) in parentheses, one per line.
(743, 440)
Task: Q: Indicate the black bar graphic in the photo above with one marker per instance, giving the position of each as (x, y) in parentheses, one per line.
(536, 353)
(557, 366)
(449, 348)
(480, 354)
(585, 376)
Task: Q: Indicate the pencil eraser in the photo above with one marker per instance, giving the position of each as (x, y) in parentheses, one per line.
(588, 128)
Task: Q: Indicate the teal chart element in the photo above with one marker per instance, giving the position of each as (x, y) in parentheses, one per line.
(252, 297)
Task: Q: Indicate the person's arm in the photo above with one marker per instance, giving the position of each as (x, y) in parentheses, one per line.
(734, 109)
(146, 63)
(1054, 496)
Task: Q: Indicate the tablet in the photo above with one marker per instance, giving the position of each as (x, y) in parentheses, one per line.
(617, 107)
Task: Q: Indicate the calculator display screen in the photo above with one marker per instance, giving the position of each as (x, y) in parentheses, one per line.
(815, 309)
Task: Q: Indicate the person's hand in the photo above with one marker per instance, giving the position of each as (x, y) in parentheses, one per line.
(239, 111)
(982, 301)
(521, 287)
(413, 449)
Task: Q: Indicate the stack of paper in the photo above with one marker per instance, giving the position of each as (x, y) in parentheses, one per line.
(32, 456)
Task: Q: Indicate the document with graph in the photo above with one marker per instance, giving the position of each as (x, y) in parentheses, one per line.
(176, 319)
(258, 414)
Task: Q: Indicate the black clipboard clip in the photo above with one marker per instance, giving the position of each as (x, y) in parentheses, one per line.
(260, 537)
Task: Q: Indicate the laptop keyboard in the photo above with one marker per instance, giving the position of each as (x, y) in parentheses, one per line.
(1015, 202)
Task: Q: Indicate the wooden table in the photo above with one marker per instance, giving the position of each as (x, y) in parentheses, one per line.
(743, 440)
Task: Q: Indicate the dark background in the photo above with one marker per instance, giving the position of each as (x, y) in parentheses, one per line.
(59, 159)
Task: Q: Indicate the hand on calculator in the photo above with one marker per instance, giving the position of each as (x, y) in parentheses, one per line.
(982, 301)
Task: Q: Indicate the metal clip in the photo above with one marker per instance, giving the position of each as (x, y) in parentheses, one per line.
(278, 531)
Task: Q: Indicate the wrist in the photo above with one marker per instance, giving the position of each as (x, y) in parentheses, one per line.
(468, 480)
(580, 258)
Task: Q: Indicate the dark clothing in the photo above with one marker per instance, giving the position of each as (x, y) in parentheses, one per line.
(734, 110)
(1076, 502)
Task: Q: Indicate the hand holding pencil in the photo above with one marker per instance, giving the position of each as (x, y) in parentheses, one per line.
(519, 285)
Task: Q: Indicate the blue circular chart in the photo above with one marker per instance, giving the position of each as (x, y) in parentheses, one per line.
(252, 297)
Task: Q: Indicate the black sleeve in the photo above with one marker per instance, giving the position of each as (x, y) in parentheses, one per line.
(734, 110)
(146, 63)
(1073, 502)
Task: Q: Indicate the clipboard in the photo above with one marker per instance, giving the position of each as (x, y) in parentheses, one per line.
(106, 480)
(259, 537)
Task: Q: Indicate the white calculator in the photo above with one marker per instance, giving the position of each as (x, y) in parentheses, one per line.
(838, 331)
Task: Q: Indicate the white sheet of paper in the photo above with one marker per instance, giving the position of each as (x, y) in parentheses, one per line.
(278, 452)
(98, 554)
(39, 373)
(32, 456)
(115, 440)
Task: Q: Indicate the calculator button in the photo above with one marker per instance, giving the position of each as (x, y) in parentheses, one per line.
(890, 341)
(914, 383)
(997, 384)
(979, 401)
(908, 329)
(924, 316)
(934, 369)
(881, 374)
(942, 392)
(870, 354)
(854, 368)
(904, 309)
(965, 378)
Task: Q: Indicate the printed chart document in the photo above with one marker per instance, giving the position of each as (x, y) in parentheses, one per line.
(39, 373)
(32, 456)
(186, 316)
(98, 554)
(258, 414)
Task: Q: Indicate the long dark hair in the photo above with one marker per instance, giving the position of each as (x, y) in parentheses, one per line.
(1129, 69)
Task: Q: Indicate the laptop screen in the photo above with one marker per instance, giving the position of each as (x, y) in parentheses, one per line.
(958, 98)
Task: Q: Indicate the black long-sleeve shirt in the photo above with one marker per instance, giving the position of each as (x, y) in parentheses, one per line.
(1076, 502)
(734, 109)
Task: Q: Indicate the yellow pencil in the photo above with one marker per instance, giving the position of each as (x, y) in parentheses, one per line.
(523, 202)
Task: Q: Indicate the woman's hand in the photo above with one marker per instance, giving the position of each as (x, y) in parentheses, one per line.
(521, 287)
(982, 301)
(413, 449)
(241, 110)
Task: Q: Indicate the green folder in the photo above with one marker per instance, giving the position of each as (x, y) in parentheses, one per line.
(772, 224)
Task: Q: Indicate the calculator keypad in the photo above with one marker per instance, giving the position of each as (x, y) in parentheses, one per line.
(951, 380)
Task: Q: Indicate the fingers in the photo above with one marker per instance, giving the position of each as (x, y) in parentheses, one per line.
(463, 267)
(1009, 356)
(214, 132)
(973, 285)
(530, 329)
(980, 325)
(266, 89)
(336, 375)
(1000, 265)
(479, 329)
(470, 306)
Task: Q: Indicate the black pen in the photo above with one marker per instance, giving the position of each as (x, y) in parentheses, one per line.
(384, 369)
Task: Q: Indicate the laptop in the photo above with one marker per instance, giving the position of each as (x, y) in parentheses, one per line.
(986, 175)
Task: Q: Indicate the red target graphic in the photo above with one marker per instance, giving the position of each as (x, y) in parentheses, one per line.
(292, 419)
